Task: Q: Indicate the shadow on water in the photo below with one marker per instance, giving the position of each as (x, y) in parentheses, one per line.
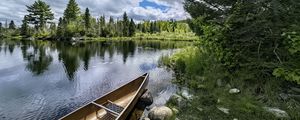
(42, 78)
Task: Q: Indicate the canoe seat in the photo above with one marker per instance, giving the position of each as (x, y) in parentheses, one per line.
(114, 107)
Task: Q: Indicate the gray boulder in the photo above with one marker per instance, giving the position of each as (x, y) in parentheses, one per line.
(234, 91)
(178, 100)
(160, 113)
(277, 112)
(147, 98)
(224, 110)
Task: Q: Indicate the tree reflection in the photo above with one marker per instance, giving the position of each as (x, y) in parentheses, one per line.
(38, 60)
(68, 55)
(39, 54)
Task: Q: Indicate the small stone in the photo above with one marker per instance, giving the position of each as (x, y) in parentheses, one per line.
(224, 110)
(178, 100)
(200, 109)
(283, 96)
(235, 119)
(218, 100)
(219, 82)
(160, 113)
(277, 112)
(146, 118)
(234, 91)
(186, 94)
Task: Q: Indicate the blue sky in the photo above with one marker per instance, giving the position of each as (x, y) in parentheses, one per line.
(146, 3)
(137, 9)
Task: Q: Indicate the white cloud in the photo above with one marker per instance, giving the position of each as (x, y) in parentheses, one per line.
(16, 9)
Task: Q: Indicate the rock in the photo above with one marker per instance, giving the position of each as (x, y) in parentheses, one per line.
(186, 94)
(235, 119)
(277, 112)
(200, 109)
(219, 100)
(145, 100)
(146, 118)
(160, 113)
(175, 111)
(178, 100)
(234, 91)
(219, 83)
(224, 110)
(283, 96)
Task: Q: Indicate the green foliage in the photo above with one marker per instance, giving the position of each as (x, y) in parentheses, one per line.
(39, 14)
(25, 27)
(72, 11)
(12, 25)
(87, 19)
(131, 28)
(125, 24)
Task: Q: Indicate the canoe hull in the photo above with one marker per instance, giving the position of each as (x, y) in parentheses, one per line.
(135, 100)
(125, 96)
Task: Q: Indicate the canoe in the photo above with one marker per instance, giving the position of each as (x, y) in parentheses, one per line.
(115, 105)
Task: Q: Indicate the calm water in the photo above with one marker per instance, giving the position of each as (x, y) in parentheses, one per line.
(44, 80)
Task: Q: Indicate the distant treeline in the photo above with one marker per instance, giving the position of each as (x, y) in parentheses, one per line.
(38, 23)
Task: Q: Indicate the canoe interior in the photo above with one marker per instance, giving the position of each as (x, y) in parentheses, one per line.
(121, 97)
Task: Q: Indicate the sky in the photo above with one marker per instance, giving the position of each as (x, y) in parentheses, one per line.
(137, 9)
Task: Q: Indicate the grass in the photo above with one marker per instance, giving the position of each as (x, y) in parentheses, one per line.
(199, 70)
(163, 36)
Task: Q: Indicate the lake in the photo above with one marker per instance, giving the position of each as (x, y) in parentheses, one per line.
(47, 80)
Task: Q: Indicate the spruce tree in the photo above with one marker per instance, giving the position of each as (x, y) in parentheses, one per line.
(12, 25)
(39, 14)
(111, 26)
(72, 11)
(25, 26)
(125, 24)
(87, 18)
(131, 28)
(60, 28)
(0, 27)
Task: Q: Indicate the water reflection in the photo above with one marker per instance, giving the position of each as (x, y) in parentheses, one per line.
(38, 55)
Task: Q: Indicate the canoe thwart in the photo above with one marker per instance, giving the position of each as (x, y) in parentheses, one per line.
(106, 109)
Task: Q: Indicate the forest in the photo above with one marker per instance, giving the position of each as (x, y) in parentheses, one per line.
(39, 23)
(249, 48)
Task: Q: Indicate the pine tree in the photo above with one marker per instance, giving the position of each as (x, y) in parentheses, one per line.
(111, 26)
(72, 11)
(125, 24)
(25, 26)
(39, 14)
(131, 28)
(102, 26)
(1, 27)
(87, 19)
(60, 28)
(12, 25)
